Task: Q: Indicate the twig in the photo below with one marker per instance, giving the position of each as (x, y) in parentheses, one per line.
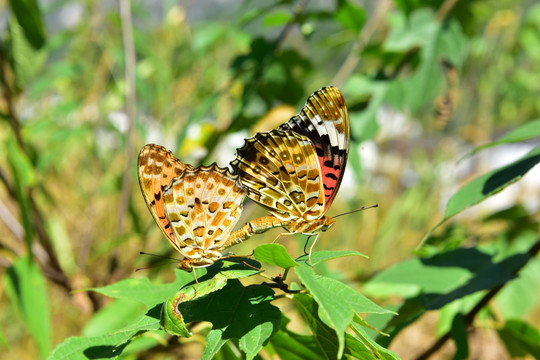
(129, 58)
(353, 59)
(533, 251)
(445, 8)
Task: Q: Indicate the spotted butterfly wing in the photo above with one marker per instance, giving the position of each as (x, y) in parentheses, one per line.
(325, 121)
(203, 205)
(157, 166)
(281, 172)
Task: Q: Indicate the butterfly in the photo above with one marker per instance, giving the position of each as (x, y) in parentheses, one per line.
(324, 120)
(195, 208)
(295, 171)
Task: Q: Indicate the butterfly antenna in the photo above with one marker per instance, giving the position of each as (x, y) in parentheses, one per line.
(159, 256)
(357, 210)
(173, 261)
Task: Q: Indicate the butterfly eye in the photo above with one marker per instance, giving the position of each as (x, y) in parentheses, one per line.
(210, 186)
(264, 160)
(284, 156)
(189, 192)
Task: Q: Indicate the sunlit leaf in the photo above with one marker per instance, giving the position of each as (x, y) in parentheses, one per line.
(527, 131)
(487, 185)
(274, 254)
(27, 289)
(336, 314)
(521, 339)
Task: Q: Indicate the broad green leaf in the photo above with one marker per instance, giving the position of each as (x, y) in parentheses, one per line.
(26, 287)
(337, 302)
(491, 183)
(113, 317)
(412, 277)
(29, 18)
(141, 290)
(364, 347)
(325, 337)
(274, 254)
(522, 295)
(291, 346)
(214, 342)
(521, 339)
(108, 346)
(527, 131)
(325, 255)
(236, 312)
(209, 279)
(350, 15)
(487, 185)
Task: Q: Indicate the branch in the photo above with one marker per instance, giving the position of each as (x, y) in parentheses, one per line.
(129, 77)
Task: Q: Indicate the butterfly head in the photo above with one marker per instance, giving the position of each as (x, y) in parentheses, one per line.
(327, 223)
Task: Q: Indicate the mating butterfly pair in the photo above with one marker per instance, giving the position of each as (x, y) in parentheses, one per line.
(293, 171)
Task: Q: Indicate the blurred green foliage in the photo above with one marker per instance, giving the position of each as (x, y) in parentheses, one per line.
(432, 86)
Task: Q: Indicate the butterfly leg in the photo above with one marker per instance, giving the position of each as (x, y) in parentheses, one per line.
(283, 234)
(312, 245)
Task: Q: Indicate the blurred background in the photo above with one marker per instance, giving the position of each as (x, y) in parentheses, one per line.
(85, 84)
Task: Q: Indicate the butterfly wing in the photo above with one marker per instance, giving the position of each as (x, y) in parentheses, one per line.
(203, 205)
(325, 121)
(157, 167)
(281, 172)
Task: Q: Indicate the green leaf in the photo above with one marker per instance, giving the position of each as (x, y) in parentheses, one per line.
(26, 287)
(325, 336)
(459, 334)
(412, 277)
(521, 339)
(93, 347)
(487, 185)
(527, 131)
(29, 18)
(274, 254)
(337, 302)
(350, 16)
(291, 346)
(210, 279)
(491, 183)
(326, 255)
(141, 290)
(365, 347)
(236, 312)
(114, 317)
